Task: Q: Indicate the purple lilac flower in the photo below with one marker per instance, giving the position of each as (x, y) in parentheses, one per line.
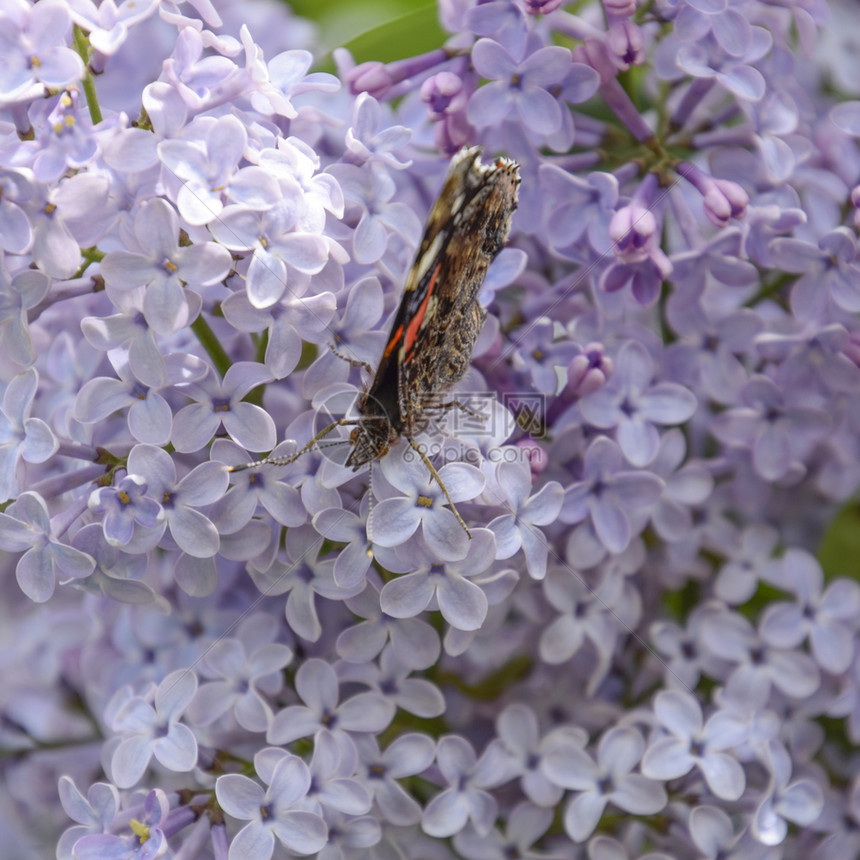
(368, 139)
(221, 403)
(21, 437)
(526, 825)
(283, 257)
(538, 355)
(317, 685)
(304, 578)
(608, 779)
(150, 418)
(799, 802)
(814, 356)
(369, 193)
(180, 498)
(519, 86)
(354, 559)
(582, 205)
(520, 741)
(332, 789)
(19, 293)
(108, 25)
(503, 21)
(422, 503)
(146, 840)
(391, 679)
(731, 637)
(828, 617)
(37, 57)
(712, 350)
(244, 678)
(462, 603)
(149, 726)
(692, 742)
(94, 813)
(408, 755)
(686, 486)
(206, 160)
(26, 527)
(17, 233)
(162, 266)
(519, 527)
(828, 271)
(777, 432)
(252, 489)
(273, 813)
(117, 575)
(415, 642)
(736, 72)
(465, 799)
(65, 139)
(608, 494)
(639, 259)
(75, 215)
(129, 329)
(353, 336)
(632, 405)
(586, 614)
(751, 560)
(712, 831)
(285, 322)
(123, 506)
(447, 96)
(842, 837)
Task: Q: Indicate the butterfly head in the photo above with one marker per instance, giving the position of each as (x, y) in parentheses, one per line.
(370, 440)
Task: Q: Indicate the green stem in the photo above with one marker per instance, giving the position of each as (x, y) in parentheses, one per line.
(83, 48)
(211, 344)
(772, 290)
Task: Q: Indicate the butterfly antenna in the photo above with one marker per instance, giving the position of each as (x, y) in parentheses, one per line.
(352, 362)
(370, 510)
(285, 461)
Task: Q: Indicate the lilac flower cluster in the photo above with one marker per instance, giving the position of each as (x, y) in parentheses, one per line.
(634, 652)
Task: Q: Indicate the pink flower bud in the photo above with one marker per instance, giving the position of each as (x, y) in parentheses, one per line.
(588, 371)
(372, 77)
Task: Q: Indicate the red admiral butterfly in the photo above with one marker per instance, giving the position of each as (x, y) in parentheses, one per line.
(435, 328)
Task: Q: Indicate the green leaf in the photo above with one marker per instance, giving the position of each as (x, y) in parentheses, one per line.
(383, 30)
(840, 547)
(414, 33)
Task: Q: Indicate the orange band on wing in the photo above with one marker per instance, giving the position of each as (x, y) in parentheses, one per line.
(415, 322)
(395, 339)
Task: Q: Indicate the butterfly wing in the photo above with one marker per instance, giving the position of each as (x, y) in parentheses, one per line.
(466, 230)
(439, 318)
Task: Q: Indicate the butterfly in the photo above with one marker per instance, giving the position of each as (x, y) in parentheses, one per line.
(429, 346)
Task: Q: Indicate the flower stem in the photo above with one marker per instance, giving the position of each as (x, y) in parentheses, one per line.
(83, 48)
(211, 344)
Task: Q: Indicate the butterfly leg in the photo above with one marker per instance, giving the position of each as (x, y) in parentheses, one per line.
(285, 461)
(463, 408)
(432, 469)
